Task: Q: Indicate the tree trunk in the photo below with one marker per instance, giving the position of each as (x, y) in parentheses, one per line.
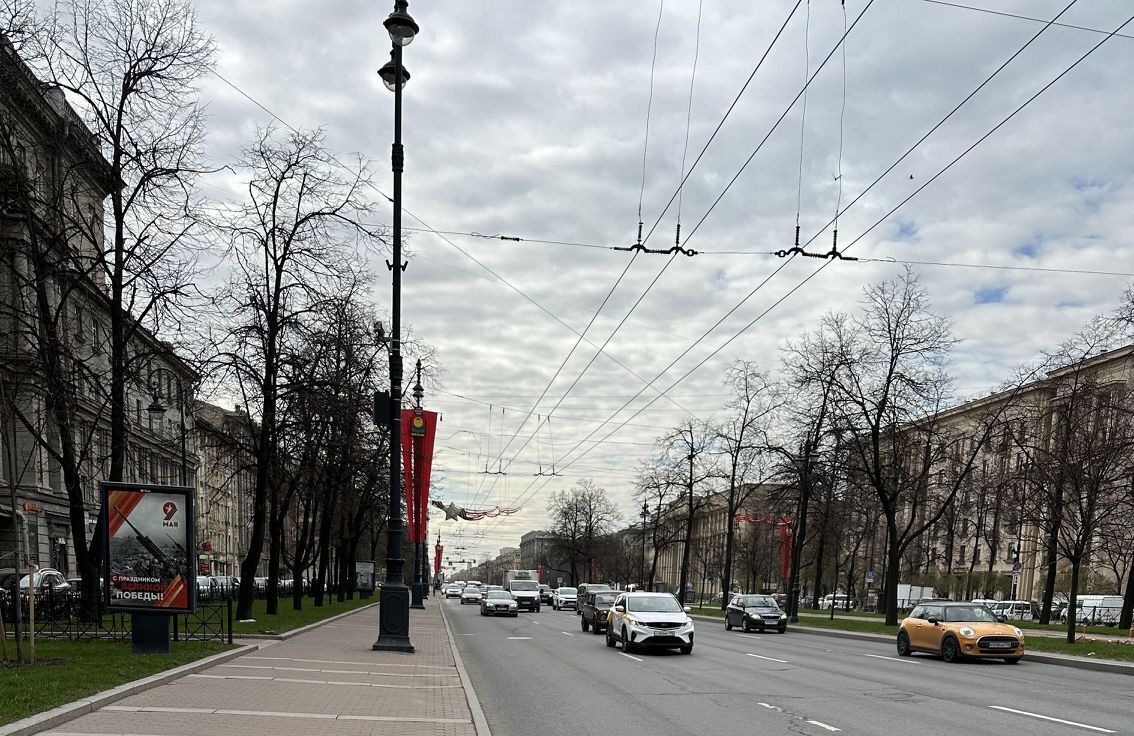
(1052, 556)
(1124, 620)
(275, 548)
(730, 541)
(1072, 612)
(893, 566)
(688, 535)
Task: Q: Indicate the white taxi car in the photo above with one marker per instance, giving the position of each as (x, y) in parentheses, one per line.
(649, 621)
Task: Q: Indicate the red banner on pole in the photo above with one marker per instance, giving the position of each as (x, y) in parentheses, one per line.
(437, 551)
(419, 428)
(785, 551)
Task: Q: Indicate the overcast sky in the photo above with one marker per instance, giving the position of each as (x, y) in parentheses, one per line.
(528, 118)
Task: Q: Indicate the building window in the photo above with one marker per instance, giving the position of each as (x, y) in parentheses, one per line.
(138, 411)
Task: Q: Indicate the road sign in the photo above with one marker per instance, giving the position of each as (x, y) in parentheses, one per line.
(1017, 566)
(870, 576)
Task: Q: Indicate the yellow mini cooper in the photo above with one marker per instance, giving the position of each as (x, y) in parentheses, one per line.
(958, 630)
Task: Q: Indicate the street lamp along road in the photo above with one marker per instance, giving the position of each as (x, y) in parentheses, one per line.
(393, 607)
(157, 410)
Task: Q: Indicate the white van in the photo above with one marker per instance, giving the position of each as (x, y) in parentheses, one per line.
(838, 600)
(1097, 610)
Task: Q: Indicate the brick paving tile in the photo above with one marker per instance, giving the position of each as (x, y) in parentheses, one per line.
(328, 679)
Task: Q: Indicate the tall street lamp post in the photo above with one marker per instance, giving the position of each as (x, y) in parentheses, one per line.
(157, 410)
(393, 611)
(642, 570)
(418, 590)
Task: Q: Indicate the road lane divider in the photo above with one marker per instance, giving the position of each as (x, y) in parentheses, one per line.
(1097, 729)
(770, 659)
(891, 659)
(565, 633)
(624, 654)
(820, 724)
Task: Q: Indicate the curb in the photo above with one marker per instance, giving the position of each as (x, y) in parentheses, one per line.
(301, 630)
(1059, 660)
(480, 723)
(63, 713)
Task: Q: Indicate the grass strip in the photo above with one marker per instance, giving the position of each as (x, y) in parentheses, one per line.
(287, 618)
(67, 670)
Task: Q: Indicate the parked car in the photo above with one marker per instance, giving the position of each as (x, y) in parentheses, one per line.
(545, 594)
(1096, 610)
(755, 612)
(471, 594)
(585, 588)
(837, 600)
(564, 597)
(47, 580)
(497, 602)
(651, 620)
(959, 630)
(1017, 610)
(595, 608)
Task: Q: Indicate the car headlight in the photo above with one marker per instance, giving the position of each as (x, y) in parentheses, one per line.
(783, 616)
(1019, 633)
(967, 632)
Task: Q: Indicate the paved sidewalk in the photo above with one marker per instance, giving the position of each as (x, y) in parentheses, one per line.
(326, 681)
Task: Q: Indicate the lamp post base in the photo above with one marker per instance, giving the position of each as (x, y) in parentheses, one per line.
(794, 605)
(393, 619)
(418, 602)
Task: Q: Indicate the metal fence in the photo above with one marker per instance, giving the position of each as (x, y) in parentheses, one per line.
(59, 615)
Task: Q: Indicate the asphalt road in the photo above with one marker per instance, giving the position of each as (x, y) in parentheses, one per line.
(540, 674)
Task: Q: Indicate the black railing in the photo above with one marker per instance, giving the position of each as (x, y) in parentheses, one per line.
(60, 615)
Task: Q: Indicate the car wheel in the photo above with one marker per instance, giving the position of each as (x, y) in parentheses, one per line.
(904, 644)
(747, 626)
(584, 625)
(554, 607)
(627, 647)
(596, 630)
(782, 628)
(609, 638)
(727, 623)
(1011, 660)
(687, 649)
(949, 651)
(537, 609)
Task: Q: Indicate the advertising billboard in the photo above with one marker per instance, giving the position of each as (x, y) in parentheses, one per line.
(150, 564)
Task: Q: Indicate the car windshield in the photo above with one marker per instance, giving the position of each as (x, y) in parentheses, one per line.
(759, 601)
(605, 598)
(499, 594)
(567, 591)
(654, 604)
(524, 585)
(472, 589)
(969, 613)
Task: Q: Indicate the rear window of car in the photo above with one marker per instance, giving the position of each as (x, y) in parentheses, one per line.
(605, 597)
(563, 591)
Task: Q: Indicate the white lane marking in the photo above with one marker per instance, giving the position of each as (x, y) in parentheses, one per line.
(466, 634)
(519, 638)
(277, 714)
(748, 636)
(770, 659)
(534, 621)
(332, 661)
(771, 707)
(1050, 718)
(565, 633)
(624, 654)
(823, 725)
(891, 659)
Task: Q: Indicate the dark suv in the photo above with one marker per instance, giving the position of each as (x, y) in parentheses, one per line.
(594, 608)
(545, 594)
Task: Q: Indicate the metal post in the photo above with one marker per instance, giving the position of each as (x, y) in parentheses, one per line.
(642, 570)
(393, 607)
(184, 464)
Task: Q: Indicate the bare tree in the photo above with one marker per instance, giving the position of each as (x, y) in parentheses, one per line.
(892, 392)
(294, 244)
(741, 436)
(580, 516)
(691, 455)
(658, 491)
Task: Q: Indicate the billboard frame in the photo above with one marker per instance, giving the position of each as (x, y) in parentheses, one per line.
(188, 496)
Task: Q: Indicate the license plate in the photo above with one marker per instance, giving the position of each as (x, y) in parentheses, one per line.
(663, 633)
(1000, 645)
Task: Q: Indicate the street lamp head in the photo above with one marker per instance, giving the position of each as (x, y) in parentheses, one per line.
(156, 408)
(388, 72)
(401, 27)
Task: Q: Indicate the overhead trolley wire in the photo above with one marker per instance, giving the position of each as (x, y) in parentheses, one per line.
(825, 264)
